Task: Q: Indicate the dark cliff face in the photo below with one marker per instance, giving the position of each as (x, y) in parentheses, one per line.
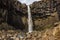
(14, 13)
(11, 12)
(44, 14)
(58, 6)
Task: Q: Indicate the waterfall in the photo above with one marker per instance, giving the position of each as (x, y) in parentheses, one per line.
(30, 23)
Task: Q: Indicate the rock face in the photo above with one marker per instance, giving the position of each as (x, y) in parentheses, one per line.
(48, 34)
(12, 12)
(58, 6)
(44, 14)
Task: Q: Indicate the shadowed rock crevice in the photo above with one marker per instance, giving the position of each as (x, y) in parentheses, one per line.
(12, 13)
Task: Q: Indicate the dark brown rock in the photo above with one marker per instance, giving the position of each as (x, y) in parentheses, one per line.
(12, 12)
(15, 13)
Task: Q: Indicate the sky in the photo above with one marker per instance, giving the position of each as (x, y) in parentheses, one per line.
(28, 2)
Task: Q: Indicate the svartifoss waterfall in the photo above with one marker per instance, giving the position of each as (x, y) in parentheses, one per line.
(30, 23)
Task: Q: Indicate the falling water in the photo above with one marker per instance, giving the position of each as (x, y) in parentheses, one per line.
(30, 23)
